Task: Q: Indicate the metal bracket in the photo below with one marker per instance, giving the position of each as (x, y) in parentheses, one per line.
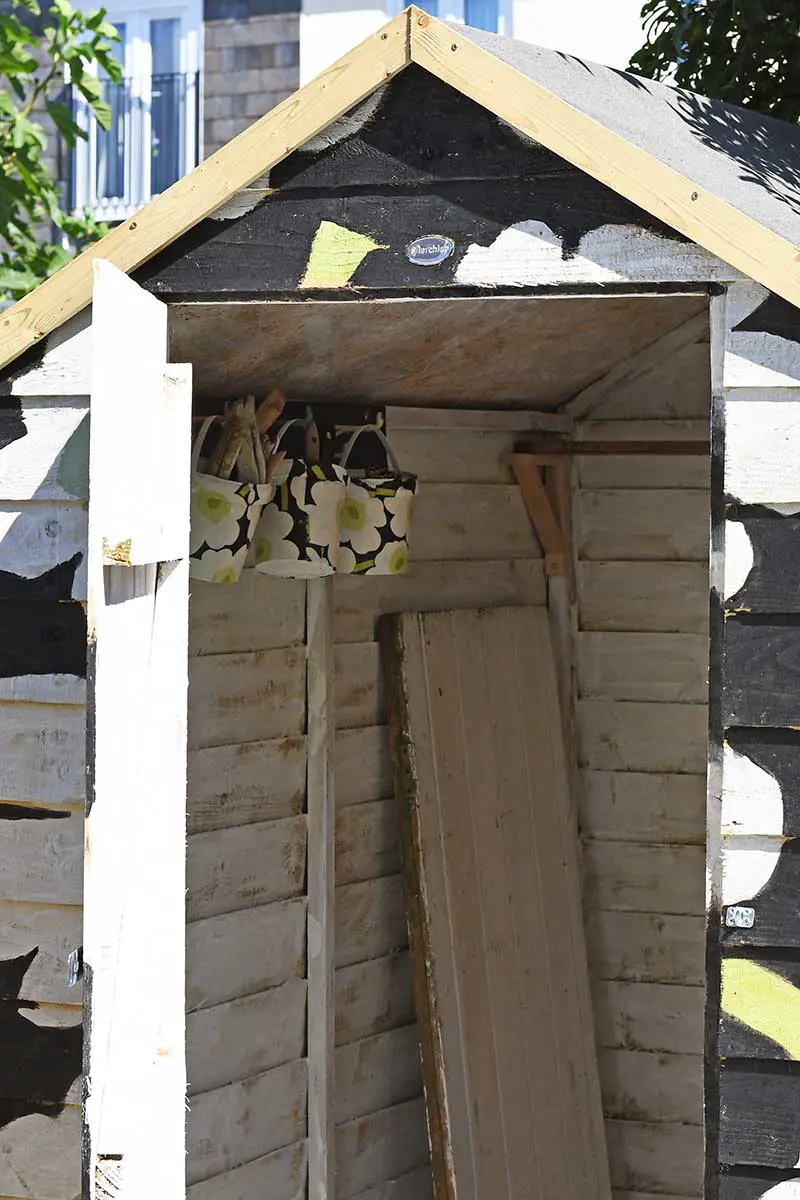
(544, 482)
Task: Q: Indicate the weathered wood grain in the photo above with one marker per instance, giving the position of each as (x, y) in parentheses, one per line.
(40, 1157)
(635, 471)
(363, 765)
(663, 596)
(244, 952)
(652, 526)
(759, 1120)
(760, 674)
(434, 585)
(675, 386)
(358, 696)
(646, 947)
(44, 689)
(385, 1144)
(656, 1158)
(373, 996)
(642, 807)
(416, 1185)
(43, 859)
(370, 920)
(377, 1073)
(367, 841)
(236, 698)
(641, 878)
(36, 537)
(455, 455)
(649, 1016)
(248, 865)
(234, 1125)
(471, 521)
(666, 667)
(57, 931)
(42, 753)
(259, 613)
(240, 784)
(619, 735)
(51, 462)
(280, 1176)
(641, 1086)
(245, 1037)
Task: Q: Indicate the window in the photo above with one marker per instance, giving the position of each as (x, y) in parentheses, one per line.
(492, 15)
(153, 138)
(481, 14)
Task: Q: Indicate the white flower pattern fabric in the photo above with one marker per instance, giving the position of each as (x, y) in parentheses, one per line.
(223, 522)
(298, 534)
(376, 518)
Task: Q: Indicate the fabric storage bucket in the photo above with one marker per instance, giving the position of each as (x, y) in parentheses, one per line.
(376, 517)
(224, 517)
(298, 532)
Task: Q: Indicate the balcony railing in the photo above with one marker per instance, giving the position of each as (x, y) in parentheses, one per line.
(153, 140)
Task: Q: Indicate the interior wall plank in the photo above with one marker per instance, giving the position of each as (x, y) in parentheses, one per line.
(377, 1072)
(645, 1086)
(416, 1185)
(619, 735)
(642, 807)
(664, 667)
(246, 697)
(661, 596)
(642, 878)
(244, 952)
(370, 920)
(660, 525)
(246, 783)
(677, 386)
(381, 1146)
(228, 869)
(471, 521)
(373, 996)
(636, 471)
(646, 947)
(455, 455)
(278, 1176)
(656, 1157)
(358, 697)
(363, 765)
(257, 613)
(367, 841)
(667, 1018)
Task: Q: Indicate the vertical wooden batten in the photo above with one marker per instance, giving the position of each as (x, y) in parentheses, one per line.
(134, 1051)
(321, 878)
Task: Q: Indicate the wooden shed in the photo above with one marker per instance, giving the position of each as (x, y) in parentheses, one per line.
(570, 296)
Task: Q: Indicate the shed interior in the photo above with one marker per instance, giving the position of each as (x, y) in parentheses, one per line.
(461, 381)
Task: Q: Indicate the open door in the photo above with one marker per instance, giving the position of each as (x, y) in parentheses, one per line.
(135, 849)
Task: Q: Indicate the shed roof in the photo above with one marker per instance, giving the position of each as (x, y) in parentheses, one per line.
(725, 178)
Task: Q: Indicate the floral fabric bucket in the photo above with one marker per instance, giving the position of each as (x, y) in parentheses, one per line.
(376, 517)
(224, 516)
(298, 533)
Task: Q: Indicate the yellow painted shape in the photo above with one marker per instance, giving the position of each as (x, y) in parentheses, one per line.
(336, 252)
(764, 1001)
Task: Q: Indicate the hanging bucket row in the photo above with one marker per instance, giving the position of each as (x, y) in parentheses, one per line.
(323, 519)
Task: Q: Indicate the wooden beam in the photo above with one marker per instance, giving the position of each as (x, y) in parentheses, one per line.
(608, 157)
(198, 194)
(543, 480)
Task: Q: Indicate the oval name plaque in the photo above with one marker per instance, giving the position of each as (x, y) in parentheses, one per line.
(430, 249)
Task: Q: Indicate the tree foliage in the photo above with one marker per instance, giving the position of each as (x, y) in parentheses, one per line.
(39, 54)
(745, 52)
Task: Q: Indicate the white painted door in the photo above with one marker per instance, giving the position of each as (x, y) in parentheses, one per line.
(135, 850)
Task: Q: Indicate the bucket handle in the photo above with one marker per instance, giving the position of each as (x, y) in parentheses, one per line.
(390, 455)
(198, 441)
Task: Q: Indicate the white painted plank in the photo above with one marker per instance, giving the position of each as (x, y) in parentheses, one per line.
(136, 765)
(43, 689)
(377, 1073)
(666, 667)
(434, 585)
(278, 1176)
(367, 841)
(636, 877)
(65, 369)
(51, 462)
(320, 885)
(649, 525)
(37, 536)
(234, 1125)
(255, 781)
(657, 1158)
(248, 865)
(753, 357)
(638, 471)
(373, 996)
(43, 859)
(241, 953)
(666, 1018)
(42, 749)
(245, 1037)
(646, 947)
(643, 807)
(259, 613)
(380, 1146)
(620, 735)
(236, 698)
(358, 695)
(41, 1157)
(363, 765)
(57, 931)
(642, 1086)
(470, 521)
(662, 596)
(762, 427)
(370, 920)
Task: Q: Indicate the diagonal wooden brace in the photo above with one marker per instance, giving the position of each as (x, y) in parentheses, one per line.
(543, 480)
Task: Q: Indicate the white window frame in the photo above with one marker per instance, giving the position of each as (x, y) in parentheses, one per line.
(137, 68)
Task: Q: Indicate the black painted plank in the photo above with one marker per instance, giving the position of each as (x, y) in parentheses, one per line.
(761, 673)
(266, 251)
(736, 1186)
(42, 638)
(55, 584)
(776, 905)
(759, 1117)
(739, 1040)
(773, 584)
(12, 423)
(774, 315)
